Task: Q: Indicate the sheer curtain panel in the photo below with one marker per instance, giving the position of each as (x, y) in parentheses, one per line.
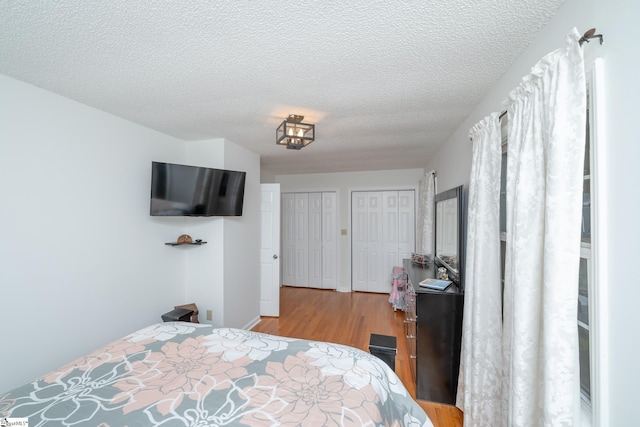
(426, 206)
(479, 387)
(546, 133)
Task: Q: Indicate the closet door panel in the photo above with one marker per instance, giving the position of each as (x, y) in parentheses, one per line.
(301, 240)
(309, 239)
(329, 241)
(375, 243)
(359, 252)
(315, 240)
(383, 234)
(406, 224)
(390, 232)
(288, 239)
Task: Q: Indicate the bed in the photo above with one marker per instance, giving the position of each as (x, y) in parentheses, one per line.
(188, 374)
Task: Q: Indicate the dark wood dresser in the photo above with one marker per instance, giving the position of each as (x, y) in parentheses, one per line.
(433, 321)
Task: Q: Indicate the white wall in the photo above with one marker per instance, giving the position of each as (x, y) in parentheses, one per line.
(204, 286)
(81, 261)
(241, 245)
(617, 20)
(343, 184)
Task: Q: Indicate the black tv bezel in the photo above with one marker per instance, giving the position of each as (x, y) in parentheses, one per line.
(212, 214)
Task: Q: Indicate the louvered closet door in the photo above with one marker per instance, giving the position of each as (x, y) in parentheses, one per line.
(383, 233)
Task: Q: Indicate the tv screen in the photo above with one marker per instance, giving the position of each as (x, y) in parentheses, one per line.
(181, 190)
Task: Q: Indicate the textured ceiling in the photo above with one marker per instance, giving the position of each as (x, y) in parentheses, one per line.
(386, 82)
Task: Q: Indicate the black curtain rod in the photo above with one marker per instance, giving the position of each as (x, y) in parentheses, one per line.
(590, 34)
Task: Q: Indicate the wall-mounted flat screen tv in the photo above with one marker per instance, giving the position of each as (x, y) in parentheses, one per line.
(181, 190)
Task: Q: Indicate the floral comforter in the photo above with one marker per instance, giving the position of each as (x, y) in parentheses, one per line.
(188, 374)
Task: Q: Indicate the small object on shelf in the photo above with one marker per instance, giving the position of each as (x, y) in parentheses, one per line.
(198, 242)
(184, 238)
(420, 258)
(437, 284)
(442, 273)
(193, 307)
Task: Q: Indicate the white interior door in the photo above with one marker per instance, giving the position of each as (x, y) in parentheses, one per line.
(269, 250)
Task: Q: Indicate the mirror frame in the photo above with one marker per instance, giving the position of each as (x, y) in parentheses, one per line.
(454, 193)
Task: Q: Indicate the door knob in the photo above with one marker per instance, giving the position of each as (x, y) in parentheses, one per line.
(275, 256)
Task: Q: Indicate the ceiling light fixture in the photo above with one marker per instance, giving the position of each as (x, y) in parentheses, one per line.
(294, 134)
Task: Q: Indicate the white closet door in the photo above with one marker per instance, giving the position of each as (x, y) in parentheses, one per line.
(315, 240)
(329, 241)
(383, 234)
(359, 241)
(309, 241)
(390, 233)
(288, 239)
(301, 257)
(375, 243)
(406, 224)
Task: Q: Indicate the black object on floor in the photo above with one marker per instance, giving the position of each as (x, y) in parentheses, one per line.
(385, 348)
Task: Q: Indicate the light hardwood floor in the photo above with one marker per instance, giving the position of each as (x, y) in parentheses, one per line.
(350, 318)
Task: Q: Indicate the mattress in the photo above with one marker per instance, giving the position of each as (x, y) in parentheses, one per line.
(187, 374)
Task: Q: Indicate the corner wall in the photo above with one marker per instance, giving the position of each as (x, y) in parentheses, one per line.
(81, 261)
(242, 245)
(223, 275)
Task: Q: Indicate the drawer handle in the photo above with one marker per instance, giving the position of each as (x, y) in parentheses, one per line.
(410, 320)
(411, 356)
(411, 337)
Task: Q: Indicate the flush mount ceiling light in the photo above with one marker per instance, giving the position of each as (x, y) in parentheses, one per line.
(294, 134)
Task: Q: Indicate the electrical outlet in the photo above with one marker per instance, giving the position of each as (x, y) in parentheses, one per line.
(209, 314)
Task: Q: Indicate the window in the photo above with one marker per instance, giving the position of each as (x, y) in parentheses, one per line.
(503, 197)
(585, 281)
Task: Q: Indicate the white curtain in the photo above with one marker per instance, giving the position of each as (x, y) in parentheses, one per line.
(479, 389)
(533, 380)
(546, 137)
(426, 206)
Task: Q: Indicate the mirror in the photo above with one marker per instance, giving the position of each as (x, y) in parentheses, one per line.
(448, 235)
